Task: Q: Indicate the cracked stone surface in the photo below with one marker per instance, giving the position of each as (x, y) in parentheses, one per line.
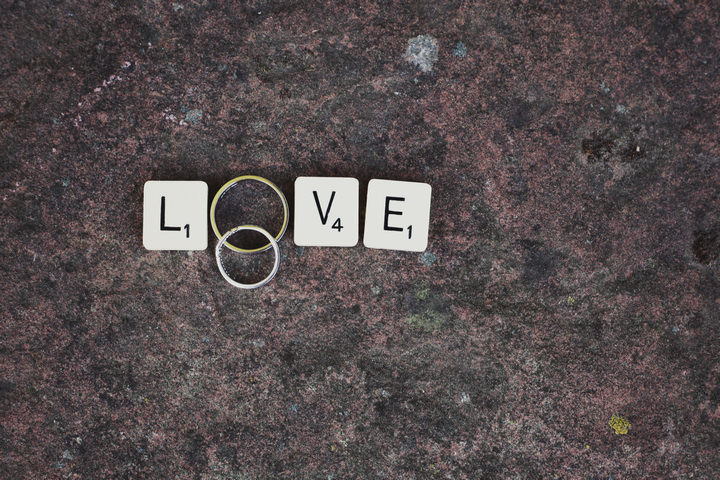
(572, 273)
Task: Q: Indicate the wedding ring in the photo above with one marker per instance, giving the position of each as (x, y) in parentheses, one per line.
(232, 183)
(273, 244)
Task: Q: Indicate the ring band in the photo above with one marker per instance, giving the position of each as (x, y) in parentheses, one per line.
(225, 188)
(273, 243)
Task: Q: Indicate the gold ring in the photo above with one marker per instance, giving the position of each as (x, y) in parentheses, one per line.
(228, 186)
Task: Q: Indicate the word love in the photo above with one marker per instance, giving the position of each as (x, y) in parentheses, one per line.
(327, 214)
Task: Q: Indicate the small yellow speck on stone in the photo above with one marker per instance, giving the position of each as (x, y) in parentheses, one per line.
(332, 448)
(587, 447)
(620, 424)
(570, 300)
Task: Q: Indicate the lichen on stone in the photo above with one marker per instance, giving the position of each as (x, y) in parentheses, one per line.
(460, 50)
(620, 424)
(428, 321)
(428, 258)
(423, 293)
(422, 51)
(194, 116)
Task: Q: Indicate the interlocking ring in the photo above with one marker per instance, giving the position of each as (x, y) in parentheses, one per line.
(273, 243)
(232, 183)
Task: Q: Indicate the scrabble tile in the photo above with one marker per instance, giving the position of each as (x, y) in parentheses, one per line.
(326, 211)
(397, 216)
(175, 215)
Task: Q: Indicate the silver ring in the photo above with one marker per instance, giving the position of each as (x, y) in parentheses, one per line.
(221, 266)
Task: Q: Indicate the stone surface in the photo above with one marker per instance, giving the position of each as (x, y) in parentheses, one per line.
(576, 243)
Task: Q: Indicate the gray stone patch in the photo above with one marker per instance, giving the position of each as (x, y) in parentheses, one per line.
(460, 50)
(194, 116)
(428, 258)
(422, 51)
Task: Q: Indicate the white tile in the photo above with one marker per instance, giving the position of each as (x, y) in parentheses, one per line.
(397, 216)
(175, 215)
(326, 211)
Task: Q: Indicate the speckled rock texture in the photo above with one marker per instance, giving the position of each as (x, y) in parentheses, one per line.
(572, 275)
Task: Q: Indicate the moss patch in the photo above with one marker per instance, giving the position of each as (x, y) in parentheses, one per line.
(428, 321)
(427, 311)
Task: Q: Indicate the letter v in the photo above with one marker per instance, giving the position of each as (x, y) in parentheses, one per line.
(323, 218)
